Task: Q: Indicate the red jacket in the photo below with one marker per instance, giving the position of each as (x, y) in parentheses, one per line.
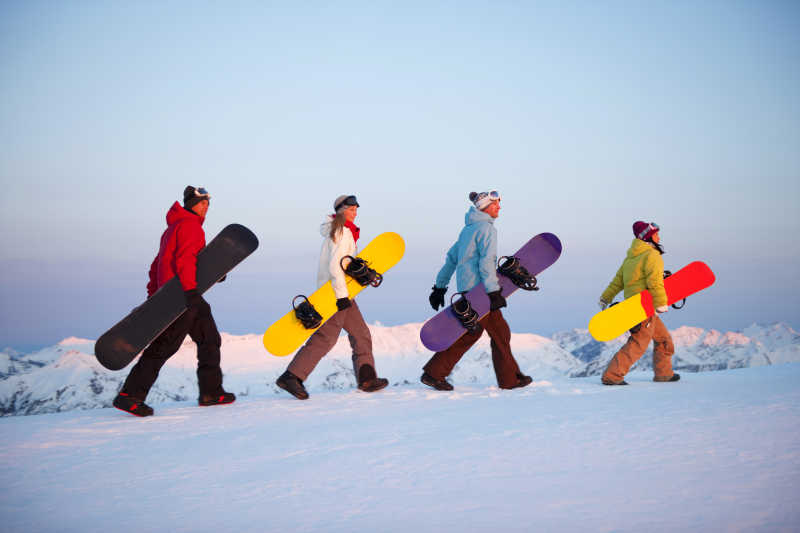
(180, 244)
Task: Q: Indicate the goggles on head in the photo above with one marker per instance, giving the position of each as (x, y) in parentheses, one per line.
(201, 192)
(651, 228)
(349, 201)
(492, 196)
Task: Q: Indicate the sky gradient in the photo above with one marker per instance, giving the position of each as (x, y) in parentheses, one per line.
(585, 116)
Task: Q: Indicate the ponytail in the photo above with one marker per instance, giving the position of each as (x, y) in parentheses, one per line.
(337, 224)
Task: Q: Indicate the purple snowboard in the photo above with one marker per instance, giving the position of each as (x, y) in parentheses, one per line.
(441, 331)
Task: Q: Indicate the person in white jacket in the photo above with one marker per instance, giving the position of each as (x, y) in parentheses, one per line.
(340, 235)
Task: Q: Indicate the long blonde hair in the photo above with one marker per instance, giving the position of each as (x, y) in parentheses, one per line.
(337, 224)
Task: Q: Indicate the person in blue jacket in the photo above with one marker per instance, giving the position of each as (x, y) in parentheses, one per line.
(473, 258)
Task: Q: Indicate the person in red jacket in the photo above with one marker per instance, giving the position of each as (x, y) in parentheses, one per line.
(177, 256)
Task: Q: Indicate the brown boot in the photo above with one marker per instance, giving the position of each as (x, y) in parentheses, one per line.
(368, 381)
(438, 384)
(292, 384)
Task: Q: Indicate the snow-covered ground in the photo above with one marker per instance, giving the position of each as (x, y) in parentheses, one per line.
(67, 376)
(716, 451)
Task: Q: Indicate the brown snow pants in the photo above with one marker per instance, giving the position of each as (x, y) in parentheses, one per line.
(505, 366)
(651, 329)
(325, 337)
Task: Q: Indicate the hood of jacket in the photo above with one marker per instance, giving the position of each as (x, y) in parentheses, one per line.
(476, 216)
(177, 213)
(639, 247)
(325, 227)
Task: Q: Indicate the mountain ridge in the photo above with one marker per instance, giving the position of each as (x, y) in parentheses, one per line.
(67, 376)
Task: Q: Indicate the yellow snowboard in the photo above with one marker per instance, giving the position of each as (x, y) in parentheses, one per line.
(286, 335)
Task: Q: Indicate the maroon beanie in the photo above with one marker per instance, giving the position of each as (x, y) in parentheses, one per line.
(643, 230)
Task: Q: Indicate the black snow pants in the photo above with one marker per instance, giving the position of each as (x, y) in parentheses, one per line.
(199, 324)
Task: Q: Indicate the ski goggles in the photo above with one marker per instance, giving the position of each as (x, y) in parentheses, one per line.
(651, 228)
(201, 192)
(349, 201)
(485, 198)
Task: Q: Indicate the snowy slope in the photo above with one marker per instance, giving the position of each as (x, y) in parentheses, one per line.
(717, 451)
(696, 349)
(67, 376)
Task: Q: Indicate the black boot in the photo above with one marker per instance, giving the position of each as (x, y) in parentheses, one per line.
(222, 398)
(675, 377)
(131, 404)
(293, 385)
(620, 382)
(368, 381)
(438, 384)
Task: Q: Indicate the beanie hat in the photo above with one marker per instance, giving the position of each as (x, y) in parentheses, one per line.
(482, 199)
(643, 230)
(194, 195)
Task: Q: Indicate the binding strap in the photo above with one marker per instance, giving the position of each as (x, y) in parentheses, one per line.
(464, 312)
(512, 269)
(305, 313)
(359, 270)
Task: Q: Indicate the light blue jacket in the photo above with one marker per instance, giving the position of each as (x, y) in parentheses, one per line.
(474, 256)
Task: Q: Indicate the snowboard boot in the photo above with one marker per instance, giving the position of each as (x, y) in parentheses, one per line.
(293, 385)
(131, 404)
(222, 398)
(438, 384)
(609, 382)
(675, 377)
(368, 381)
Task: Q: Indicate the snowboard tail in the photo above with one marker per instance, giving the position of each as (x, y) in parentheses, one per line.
(617, 319)
(444, 328)
(118, 346)
(287, 334)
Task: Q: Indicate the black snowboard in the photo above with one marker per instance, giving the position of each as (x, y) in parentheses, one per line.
(118, 346)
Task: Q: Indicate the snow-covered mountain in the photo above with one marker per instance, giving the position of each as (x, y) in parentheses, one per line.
(67, 376)
(696, 349)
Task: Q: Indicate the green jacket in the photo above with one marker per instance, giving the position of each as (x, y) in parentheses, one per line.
(643, 268)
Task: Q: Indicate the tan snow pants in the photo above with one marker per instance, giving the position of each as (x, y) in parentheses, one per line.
(326, 336)
(651, 329)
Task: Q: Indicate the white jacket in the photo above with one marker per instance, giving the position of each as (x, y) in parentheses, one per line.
(329, 256)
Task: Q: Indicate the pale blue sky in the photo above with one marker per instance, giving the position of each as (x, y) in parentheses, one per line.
(585, 115)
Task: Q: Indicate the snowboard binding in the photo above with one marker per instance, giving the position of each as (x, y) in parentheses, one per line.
(518, 274)
(306, 314)
(359, 270)
(667, 274)
(464, 312)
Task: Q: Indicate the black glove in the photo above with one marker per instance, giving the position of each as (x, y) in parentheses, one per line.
(342, 303)
(223, 278)
(437, 297)
(193, 298)
(496, 300)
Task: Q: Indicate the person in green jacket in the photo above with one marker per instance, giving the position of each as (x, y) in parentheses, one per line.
(642, 269)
